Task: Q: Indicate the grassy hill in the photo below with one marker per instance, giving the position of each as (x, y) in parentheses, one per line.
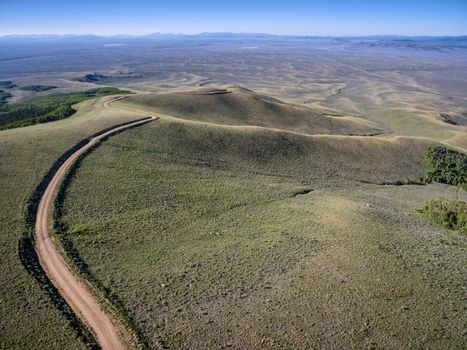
(244, 107)
(307, 157)
(262, 239)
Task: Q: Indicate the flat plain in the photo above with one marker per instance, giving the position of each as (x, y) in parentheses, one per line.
(272, 216)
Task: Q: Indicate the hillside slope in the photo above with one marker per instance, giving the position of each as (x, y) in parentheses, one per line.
(367, 159)
(256, 239)
(243, 107)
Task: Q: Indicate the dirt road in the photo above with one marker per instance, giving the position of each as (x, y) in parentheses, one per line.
(108, 334)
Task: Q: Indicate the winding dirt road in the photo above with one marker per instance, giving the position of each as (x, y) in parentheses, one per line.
(71, 287)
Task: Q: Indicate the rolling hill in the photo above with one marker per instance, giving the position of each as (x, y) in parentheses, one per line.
(242, 107)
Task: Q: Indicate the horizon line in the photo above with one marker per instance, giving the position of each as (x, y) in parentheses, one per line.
(230, 33)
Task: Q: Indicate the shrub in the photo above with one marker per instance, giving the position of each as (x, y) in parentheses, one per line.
(451, 214)
(446, 166)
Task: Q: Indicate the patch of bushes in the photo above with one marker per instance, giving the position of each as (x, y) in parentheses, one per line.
(48, 108)
(105, 91)
(408, 181)
(446, 166)
(451, 214)
(92, 77)
(60, 112)
(7, 84)
(3, 96)
(37, 88)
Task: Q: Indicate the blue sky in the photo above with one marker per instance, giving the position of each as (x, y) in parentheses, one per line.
(340, 17)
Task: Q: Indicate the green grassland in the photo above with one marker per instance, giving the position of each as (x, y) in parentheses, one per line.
(249, 221)
(29, 320)
(261, 238)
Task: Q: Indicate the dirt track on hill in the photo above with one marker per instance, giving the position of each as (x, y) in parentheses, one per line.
(108, 334)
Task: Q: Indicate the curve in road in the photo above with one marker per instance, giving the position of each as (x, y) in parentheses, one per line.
(70, 286)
